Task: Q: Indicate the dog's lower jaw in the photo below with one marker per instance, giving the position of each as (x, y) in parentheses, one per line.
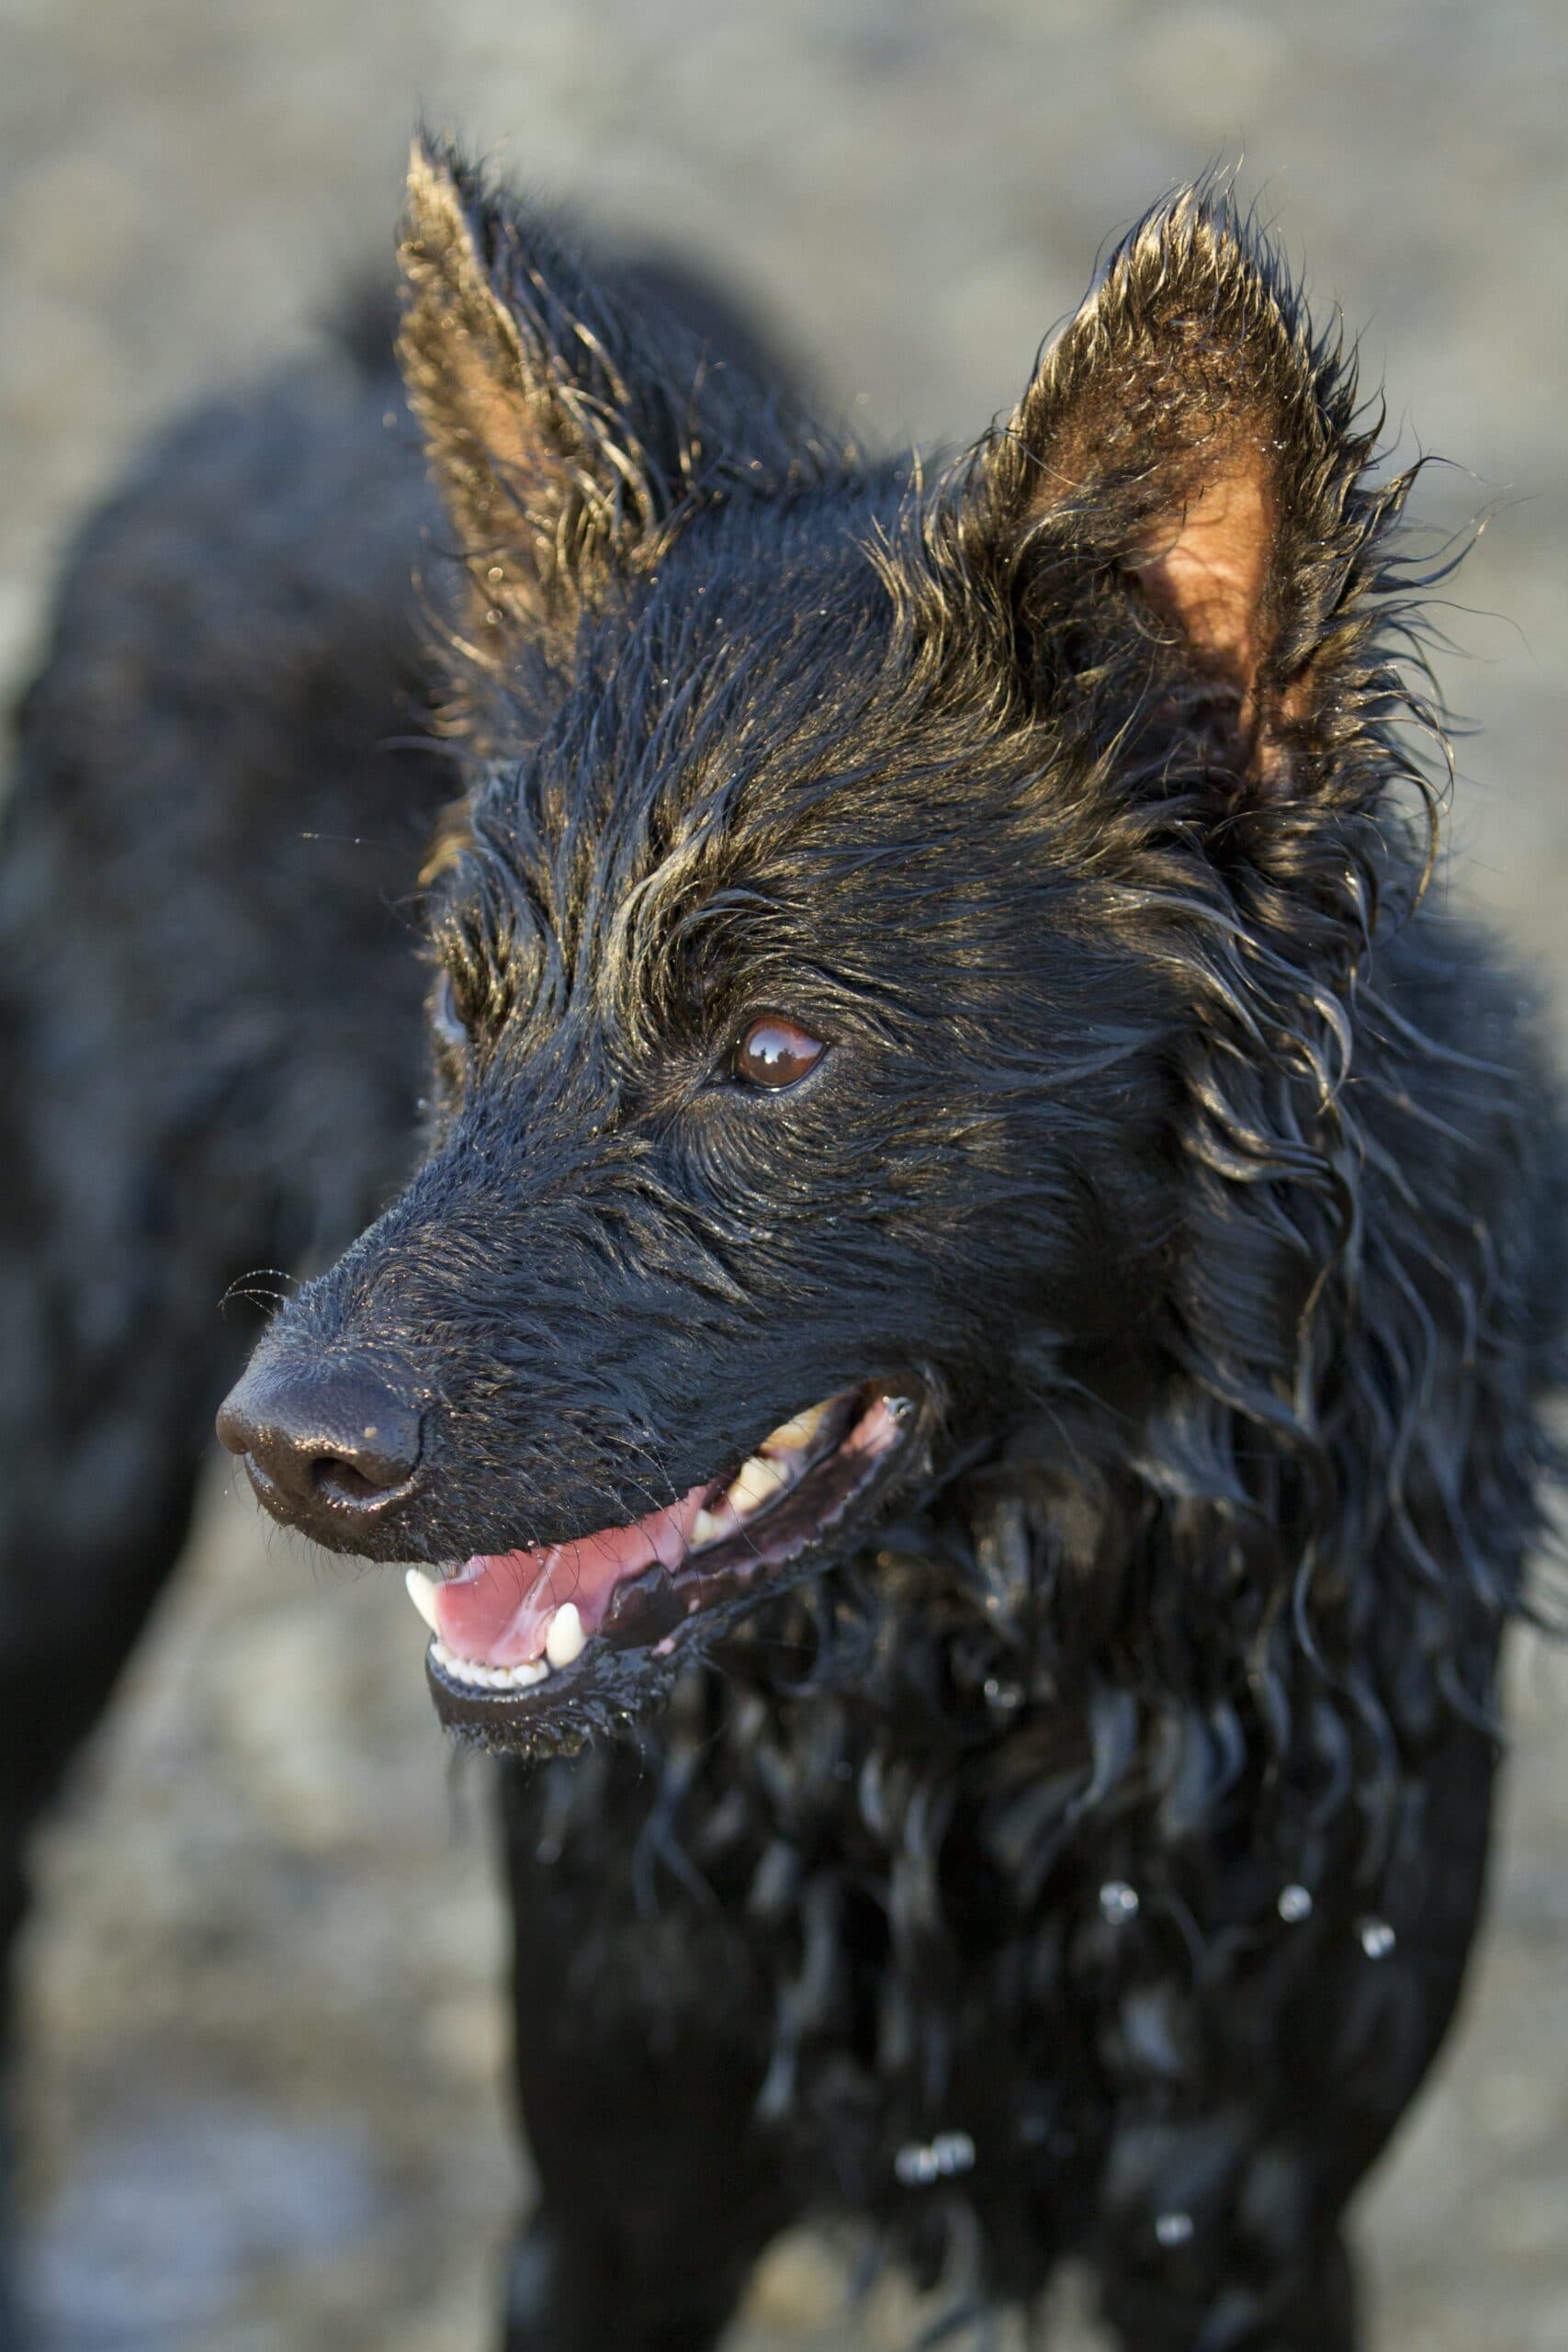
(656, 1619)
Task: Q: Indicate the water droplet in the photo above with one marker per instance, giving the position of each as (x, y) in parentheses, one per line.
(495, 575)
(1119, 1902)
(921, 2163)
(1005, 1695)
(1174, 2229)
(1294, 1904)
(1378, 1938)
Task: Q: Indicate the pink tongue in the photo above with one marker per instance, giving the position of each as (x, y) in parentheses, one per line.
(495, 1611)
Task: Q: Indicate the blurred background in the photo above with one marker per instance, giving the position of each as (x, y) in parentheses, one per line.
(263, 2090)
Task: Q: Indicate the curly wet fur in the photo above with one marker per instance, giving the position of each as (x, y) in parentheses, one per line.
(1111, 1812)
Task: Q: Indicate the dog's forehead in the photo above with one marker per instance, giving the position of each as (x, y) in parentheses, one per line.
(714, 709)
(752, 746)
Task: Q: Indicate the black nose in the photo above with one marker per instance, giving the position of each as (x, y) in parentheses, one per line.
(330, 1447)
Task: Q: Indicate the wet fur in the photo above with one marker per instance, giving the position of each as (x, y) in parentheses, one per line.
(1203, 1164)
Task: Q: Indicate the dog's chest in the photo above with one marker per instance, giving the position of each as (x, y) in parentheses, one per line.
(925, 1982)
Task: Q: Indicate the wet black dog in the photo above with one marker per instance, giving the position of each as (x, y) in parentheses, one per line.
(984, 1271)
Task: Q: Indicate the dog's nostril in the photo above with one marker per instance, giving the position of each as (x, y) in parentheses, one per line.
(335, 1476)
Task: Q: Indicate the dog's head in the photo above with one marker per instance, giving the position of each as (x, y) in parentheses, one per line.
(872, 904)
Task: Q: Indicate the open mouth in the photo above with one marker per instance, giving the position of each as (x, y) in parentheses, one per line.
(513, 1630)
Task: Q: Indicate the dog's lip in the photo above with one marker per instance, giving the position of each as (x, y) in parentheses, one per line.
(537, 1658)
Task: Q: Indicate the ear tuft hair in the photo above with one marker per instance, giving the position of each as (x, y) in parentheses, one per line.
(512, 369)
(1186, 468)
(571, 423)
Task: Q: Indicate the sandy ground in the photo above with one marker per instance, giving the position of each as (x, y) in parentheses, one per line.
(263, 2081)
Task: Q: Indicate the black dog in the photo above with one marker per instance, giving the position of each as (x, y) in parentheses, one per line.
(957, 1144)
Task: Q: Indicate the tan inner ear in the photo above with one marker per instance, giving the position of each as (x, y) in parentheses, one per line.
(503, 432)
(1206, 569)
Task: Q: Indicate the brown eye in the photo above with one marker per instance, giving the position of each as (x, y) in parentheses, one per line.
(776, 1052)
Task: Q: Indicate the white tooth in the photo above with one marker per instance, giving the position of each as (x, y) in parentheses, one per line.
(706, 1528)
(758, 1481)
(564, 1638)
(488, 1678)
(794, 1437)
(421, 1593)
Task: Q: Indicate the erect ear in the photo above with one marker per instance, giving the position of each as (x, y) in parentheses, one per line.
(1175, 502)
(566, 424)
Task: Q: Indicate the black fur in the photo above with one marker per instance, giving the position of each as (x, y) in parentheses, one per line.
(1076, 1849)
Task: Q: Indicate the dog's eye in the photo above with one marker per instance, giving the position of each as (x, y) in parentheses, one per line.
(776, 1052)
(444, 1017)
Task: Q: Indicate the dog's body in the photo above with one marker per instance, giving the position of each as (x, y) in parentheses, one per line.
(960, 958)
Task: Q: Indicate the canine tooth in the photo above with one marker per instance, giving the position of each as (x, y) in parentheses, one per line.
(758, 1482)
(421, 1593)
(795, 1436)
(564, 1638)
(706, 1528)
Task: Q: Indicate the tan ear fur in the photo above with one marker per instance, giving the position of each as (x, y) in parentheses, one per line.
(1187, 436)
(1206, 567)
